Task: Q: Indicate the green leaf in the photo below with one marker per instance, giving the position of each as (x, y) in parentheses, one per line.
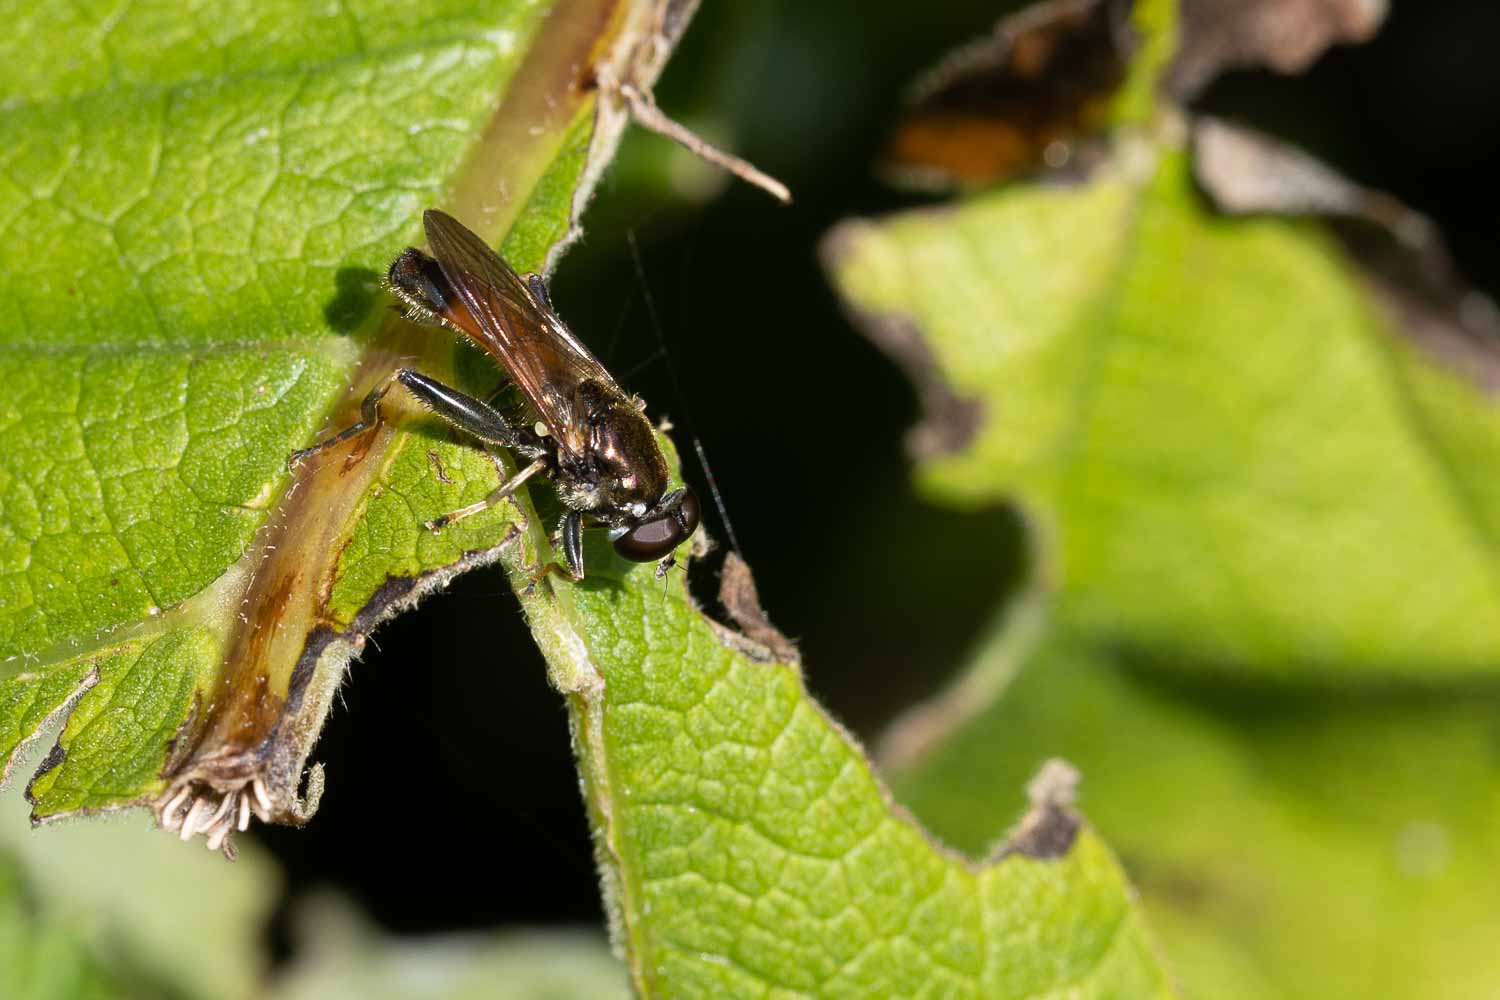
(196, 206)
(41, 960)
(193, 606)
(176, 216)
(1239, 463)
(1265, 611)
(1327, 845)
(340, 958)
(748, 849)
(143, 692)
(114, 909)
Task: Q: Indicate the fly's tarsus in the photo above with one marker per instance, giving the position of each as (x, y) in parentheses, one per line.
(369, 419)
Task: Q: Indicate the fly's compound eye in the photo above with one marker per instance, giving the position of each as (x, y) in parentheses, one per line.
(656, 538)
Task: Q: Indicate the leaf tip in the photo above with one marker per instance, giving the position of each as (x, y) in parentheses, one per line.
(741, 600)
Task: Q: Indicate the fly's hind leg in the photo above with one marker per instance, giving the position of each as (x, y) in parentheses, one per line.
(369, 419)
(472, 416)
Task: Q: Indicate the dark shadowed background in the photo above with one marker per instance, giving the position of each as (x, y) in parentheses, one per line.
(802, 421)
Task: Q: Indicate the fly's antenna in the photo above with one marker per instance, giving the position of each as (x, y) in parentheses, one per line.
(661, 350)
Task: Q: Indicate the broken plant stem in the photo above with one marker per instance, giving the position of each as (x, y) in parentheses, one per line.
(644, 110)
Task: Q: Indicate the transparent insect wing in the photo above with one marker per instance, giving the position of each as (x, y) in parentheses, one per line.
(538, 351)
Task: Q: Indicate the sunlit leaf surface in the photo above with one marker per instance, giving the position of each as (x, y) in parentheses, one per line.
(193, 233)
(1240, 460)
(752, 850)
(1265, 622)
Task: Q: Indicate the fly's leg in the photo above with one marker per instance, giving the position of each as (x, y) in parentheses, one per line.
(538, 286)
(369, 418)
(473, 416)
(570, 539)
(506, 489)
(481, 420)
(571, 530)
(470, 415)
(457, 409)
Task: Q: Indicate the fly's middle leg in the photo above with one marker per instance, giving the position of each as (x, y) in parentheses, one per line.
(504, 490)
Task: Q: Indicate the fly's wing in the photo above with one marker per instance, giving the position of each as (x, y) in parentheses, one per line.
(538, 351)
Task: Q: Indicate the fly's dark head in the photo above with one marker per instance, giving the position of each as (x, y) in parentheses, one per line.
(629, 476)
(655, 535)
(626, 473)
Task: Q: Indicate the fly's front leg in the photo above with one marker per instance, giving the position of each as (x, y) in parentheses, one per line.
(571, 530)
(569, 538)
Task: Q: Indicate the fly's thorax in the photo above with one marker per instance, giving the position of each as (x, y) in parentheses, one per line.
(578, 491)
(625, 462)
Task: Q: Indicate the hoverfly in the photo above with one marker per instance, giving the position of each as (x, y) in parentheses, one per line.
(580, 428)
